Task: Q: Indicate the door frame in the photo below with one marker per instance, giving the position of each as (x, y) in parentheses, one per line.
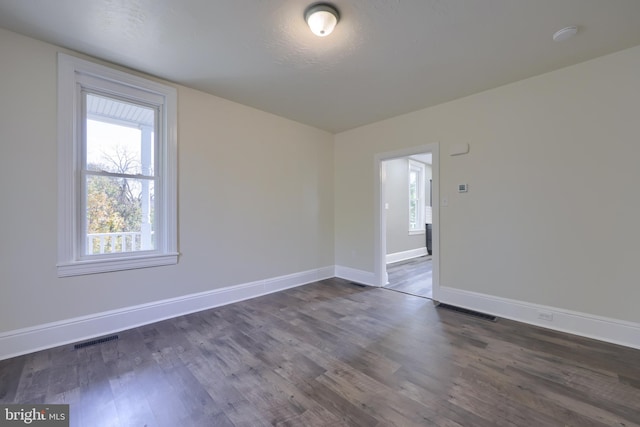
(380, 239)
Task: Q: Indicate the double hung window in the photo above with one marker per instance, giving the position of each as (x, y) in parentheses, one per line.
(117, 170)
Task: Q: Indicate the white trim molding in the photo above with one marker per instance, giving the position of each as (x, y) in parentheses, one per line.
(116, 264)
(380, 235)
(27, 340)
(355, 275)
(76, 78)
(587, 325)
(405, 255)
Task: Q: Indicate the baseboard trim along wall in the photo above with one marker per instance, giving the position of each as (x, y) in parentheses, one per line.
(28, 340)
(355, 275)
(587, 325)
(405, 255)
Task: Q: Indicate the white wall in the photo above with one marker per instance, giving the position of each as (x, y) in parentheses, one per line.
(551, 216)
(255, 199)
(397, 218)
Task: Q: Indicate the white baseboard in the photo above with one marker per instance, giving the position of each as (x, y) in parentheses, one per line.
(587, 325)
(355, 275)
(405, 255)
(27, 340)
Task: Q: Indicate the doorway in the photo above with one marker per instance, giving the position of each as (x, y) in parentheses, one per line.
(403, 264)
(413, 276)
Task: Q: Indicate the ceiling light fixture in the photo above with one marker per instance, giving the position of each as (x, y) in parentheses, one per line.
(321, 18)
(564, 34)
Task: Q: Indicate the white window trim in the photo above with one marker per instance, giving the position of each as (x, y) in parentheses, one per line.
(421, 169)
(71, 71)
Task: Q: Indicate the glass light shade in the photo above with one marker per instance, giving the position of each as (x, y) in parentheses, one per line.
(322, 22)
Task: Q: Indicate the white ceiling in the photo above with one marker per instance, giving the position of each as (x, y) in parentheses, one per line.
(385, 58)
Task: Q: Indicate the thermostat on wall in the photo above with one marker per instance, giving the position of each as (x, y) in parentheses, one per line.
(463, 188)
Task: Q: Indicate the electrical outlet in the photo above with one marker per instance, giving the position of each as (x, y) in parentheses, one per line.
(545, 315)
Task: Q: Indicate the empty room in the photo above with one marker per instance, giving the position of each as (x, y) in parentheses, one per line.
(344, 213)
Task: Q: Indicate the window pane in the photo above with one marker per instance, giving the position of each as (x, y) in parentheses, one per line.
(413, 214)
(120, 136)
(119, 215)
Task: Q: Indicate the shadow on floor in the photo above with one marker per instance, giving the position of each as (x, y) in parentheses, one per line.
(413, 276)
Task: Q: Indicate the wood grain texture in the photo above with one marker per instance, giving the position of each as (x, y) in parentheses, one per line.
(413, 276)
(334, 354)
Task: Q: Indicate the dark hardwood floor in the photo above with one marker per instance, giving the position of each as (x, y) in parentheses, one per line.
(413, 276)
(334, 354)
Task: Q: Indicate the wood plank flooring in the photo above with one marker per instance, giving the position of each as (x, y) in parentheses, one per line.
(413, 276)
(334, 354)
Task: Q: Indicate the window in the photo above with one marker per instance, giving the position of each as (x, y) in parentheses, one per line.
(416, 197)
(117, 170)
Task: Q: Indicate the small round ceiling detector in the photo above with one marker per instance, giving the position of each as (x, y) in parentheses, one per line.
(321, 18)
(564, 34)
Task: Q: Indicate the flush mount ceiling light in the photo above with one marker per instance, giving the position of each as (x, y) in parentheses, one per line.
(321, 18)
(564, 34)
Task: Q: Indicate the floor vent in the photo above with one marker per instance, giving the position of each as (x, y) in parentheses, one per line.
(95, 342)
(466, 311)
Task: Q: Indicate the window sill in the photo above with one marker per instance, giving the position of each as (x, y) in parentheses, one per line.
(80, 268)
(416, 232)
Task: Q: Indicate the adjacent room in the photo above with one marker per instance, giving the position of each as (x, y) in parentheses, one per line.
(407, 212)
(349, 213)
